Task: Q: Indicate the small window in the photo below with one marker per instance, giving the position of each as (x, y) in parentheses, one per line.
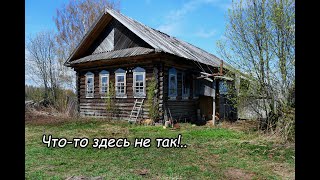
(139, 82)
(89, 85)
(120, 76)
(104, 83)
(173, 83)
(185, 86)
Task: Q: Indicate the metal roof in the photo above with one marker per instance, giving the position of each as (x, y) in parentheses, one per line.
(156, 39)
(115, 54)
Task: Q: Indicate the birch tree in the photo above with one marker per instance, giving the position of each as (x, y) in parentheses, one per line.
(41, 63)
(72, 21)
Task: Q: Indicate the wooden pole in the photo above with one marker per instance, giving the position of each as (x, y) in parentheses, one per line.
(216, 94)
(213, 111)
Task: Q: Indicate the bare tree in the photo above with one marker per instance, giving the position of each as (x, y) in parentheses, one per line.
(260, 41)
(73, 20)
(41, 62)
(76, 17)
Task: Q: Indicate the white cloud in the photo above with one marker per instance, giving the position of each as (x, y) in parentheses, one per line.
(173, 21)
(172, 29)
(195, 4)
(206, 34)
(185, 9)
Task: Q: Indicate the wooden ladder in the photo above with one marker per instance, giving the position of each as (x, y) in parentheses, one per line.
(135, 110)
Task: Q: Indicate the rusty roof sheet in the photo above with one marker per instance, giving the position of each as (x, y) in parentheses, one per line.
(135, 51)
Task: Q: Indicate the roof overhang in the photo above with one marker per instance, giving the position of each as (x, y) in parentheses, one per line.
(122, 53)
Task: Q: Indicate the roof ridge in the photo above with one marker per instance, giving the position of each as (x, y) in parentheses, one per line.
(172, 38)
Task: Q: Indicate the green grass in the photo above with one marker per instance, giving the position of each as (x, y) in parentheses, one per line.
(210, 154)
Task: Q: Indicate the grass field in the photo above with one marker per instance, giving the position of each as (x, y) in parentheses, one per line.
(212, 153)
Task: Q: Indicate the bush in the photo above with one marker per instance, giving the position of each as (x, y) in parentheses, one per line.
(152, 99)
(286, 125)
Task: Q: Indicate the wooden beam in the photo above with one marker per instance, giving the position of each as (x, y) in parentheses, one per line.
(201, 77)
(207, 74)
(223, 78)
(208, 79)
(213, 111)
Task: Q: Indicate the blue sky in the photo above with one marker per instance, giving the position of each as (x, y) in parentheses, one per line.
(199, 22)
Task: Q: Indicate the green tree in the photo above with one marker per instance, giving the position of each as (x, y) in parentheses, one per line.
(110, 100)
(152, 102)
(260, 41)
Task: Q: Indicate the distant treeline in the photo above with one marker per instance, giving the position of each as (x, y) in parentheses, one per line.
(37, 95)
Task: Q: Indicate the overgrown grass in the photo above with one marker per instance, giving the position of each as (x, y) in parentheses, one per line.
(210, 154)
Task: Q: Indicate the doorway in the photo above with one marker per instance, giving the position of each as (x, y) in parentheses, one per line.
(205, 103)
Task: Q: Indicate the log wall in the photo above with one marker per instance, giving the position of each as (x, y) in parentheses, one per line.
(96, 106)
(181, 108)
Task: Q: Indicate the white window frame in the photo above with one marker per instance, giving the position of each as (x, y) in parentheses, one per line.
(102, 75)
(121, 72)
(139, 71)
(173, 96)
(89, 75)
(184, 95)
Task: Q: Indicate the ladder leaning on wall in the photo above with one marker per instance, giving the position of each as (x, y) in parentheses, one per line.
(135, 110)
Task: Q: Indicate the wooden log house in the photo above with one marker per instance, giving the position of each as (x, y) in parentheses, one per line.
(122, 51)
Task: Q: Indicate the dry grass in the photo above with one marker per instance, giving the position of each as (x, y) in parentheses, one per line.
(235, 174)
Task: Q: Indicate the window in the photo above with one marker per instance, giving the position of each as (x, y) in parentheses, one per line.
(172, 83)
(89, 85)
(120, 76)
(195, 88)
(185, 86)
(104, 83)
(139, 82)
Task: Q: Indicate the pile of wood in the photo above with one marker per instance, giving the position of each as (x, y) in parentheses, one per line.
(32, 104)
(29, 103)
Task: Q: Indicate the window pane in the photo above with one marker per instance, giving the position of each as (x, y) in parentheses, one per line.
(172, 78)
(104, 89)
(89, 92)
(120, 78)
(141, 83)
(172, 82)
(137, 84)
(104, 79)
(89, 80)
(139, 77)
